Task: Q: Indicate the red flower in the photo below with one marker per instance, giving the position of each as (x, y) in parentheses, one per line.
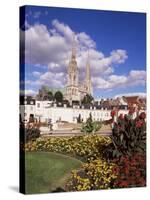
(131, 111)
(121, 117)
(113, 113)
(137, 174)
(143, 115)
(123, 184)
(139, 123)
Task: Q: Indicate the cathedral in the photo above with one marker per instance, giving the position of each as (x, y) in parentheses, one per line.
(75, 91)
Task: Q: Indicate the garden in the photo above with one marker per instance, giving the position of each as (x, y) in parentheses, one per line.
(89, 161)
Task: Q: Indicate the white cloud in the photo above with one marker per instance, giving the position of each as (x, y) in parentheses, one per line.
(63, 29)
(118, 56)
(139, 74)
(56, 80)
(140, 94)
(42, 48)
(52, 48)
(134, 78)
(28, 92)
(85, 40)
(36, 74)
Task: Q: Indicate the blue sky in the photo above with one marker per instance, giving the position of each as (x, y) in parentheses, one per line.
(116, 42)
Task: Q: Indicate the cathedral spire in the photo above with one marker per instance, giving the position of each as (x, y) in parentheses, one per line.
(72, 67)
(88, 67)
(73, 46)
(88, 75)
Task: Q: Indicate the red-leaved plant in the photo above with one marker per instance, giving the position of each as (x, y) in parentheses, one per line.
(131, 171)
(128, 137)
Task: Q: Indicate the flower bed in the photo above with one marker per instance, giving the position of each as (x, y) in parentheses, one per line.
(88, 147)
(131, 171)
(118, 161)
(95, 175)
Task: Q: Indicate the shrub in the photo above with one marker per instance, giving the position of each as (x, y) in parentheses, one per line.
(32, 133)
(90, 126)
(95, 175)
(131, 171)
(128, 136)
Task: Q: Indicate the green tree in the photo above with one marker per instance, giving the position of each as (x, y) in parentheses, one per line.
(50, 96)
(91, 126)
(58, 96)
(44, 88)
(87, 99)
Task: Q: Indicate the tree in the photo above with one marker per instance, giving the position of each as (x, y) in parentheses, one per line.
(50, 96)
(87, 99)
(58, 96)
(88, 127)
(91, 126)
(44, 88)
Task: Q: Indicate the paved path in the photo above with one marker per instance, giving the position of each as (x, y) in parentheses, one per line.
(68, 134)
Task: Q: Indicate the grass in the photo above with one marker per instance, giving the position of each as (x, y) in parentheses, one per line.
(46, 171)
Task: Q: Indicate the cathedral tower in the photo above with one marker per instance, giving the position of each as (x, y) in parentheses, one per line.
(88, 76)
(72, 92)
(73, 68)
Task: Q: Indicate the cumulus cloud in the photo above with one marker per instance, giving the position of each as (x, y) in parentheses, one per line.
(43, 49)
(118, 56)
(140, 94)
(63, 29)
(52, 48)
(28, 92)
(134, 78)
(56, 80)
(85, 40)
(36, 74)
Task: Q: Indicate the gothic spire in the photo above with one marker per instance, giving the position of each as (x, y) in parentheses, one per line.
(73, 46)
(88, 68)
(88, 74)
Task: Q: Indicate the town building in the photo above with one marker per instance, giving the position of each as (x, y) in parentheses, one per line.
(42, 109)
(45, 110)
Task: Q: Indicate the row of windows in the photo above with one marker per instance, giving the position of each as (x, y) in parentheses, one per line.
(72, 90)
(95, 119)
(31, 102)
(98, 114)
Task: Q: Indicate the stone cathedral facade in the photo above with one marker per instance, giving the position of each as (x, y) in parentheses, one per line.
(75, 90)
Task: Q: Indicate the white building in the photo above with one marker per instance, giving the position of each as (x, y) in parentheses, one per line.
(45, 110)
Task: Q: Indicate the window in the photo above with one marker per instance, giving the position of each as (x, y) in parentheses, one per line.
(31, 102)
(25, 114)
(38, 105)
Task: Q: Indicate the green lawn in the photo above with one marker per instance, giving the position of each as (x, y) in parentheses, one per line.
(46, 171)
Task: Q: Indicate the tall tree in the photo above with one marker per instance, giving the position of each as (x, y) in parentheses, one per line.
(58, 96)
(50, 96)
(87, 99)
